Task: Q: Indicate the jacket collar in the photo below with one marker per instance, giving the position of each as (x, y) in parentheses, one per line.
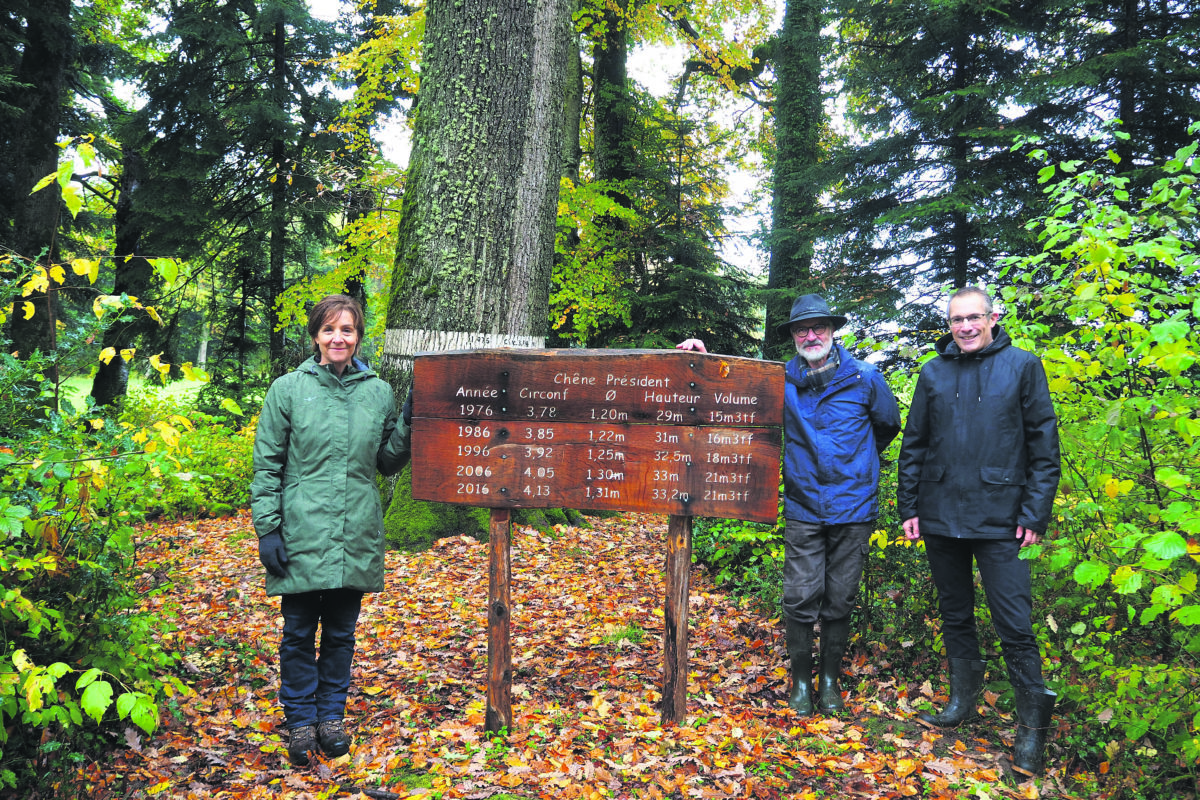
(356, 370)
(797, 367)
(946, 348)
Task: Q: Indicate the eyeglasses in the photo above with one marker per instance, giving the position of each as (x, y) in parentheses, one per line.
(819, 329)
(974, 319)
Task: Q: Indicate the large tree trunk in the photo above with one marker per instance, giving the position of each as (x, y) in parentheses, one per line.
(279, 208)
(799, 118)
(132, 275)
(476, 239)
(31, 154)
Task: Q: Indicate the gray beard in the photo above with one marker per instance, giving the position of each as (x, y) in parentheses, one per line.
(825, 351)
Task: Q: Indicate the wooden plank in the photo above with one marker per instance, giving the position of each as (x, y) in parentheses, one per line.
(688, 470)
(499, 688)
(662, 387)
(675, 620)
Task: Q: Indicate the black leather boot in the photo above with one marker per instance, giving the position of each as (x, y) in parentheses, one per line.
(1034, 712)
(800, 658)
(966, 682)
(834, 636)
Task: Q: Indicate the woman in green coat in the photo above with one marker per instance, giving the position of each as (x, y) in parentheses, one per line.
(324, 431)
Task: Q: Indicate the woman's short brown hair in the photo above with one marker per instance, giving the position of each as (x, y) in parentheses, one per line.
(330, 307)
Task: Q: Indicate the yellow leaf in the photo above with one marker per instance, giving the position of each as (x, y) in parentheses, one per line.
(153, 312)
(158, 788)
(157, 362)
(1112, 488)
(108, 354)
(373, 690)
(38, 282)
(182, 422)
(97, 423)
(170, 435)
(28, 309)
(127, 353)
(104, 303)
(905, 766)
(57, 273)
(21, 661)
(86, 266)
(193, 374)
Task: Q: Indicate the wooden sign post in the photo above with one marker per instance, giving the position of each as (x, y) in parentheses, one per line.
(675, 432)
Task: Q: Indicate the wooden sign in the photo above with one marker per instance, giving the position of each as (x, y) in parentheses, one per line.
(673, 432)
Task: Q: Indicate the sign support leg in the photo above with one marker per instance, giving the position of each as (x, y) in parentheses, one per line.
(675, 619)
(499, 689)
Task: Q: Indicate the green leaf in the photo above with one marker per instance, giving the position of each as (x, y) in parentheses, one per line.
(1167, 545)
(74, 200)
(87, 678)
(1171, 478)
(168, 268)
(139, 709)
(1091, 573)
(1127, 579)
(231, 406)
(1188, 615)
(96, 699)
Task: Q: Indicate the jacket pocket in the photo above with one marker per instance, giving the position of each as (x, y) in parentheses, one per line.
(1000, 476)
(1001, 501)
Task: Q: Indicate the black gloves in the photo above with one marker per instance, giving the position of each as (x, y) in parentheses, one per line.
(273, 555)
(406, 413)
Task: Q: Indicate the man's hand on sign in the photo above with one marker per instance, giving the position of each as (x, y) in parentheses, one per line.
(692, 344)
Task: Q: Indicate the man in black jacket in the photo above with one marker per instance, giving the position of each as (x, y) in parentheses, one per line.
(979, 466)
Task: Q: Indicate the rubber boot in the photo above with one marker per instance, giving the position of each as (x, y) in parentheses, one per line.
(799, 650)
(1034, 711)
(966, 682)
(834, 636)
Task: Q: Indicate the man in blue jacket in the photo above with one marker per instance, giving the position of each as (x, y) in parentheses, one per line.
(839, 415)
(979, 466)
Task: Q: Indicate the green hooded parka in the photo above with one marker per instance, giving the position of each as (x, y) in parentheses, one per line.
(319, 443)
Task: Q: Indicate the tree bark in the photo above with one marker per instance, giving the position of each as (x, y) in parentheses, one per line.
(132, 275)
(799, 118)
(30, 153)
(476, 239)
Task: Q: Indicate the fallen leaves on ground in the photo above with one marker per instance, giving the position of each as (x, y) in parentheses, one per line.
(585, 687)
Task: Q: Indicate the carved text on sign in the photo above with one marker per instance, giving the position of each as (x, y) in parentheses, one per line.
(674, 432)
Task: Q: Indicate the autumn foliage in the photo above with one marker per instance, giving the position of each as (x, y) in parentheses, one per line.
(587, 661)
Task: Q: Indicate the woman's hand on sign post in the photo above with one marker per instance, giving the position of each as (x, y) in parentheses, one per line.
(692, 344)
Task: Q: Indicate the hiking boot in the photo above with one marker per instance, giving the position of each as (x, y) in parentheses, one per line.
(331, 735)
(301, 742)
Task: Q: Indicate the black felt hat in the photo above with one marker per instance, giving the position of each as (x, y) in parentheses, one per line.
(811, 306)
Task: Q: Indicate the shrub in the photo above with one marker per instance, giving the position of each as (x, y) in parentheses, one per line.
(1111, 305)
(211, 465)
(75, 653)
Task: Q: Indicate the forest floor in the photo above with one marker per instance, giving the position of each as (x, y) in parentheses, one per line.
(586, 632)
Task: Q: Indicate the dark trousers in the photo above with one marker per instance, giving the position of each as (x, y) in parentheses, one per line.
(1009, 592)
(822, 567)
(312, 689)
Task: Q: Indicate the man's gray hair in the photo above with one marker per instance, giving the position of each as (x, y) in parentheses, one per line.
(970, 290)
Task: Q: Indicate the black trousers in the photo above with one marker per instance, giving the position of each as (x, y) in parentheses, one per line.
(822, 566)
(313, 689)
(1009, 592)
